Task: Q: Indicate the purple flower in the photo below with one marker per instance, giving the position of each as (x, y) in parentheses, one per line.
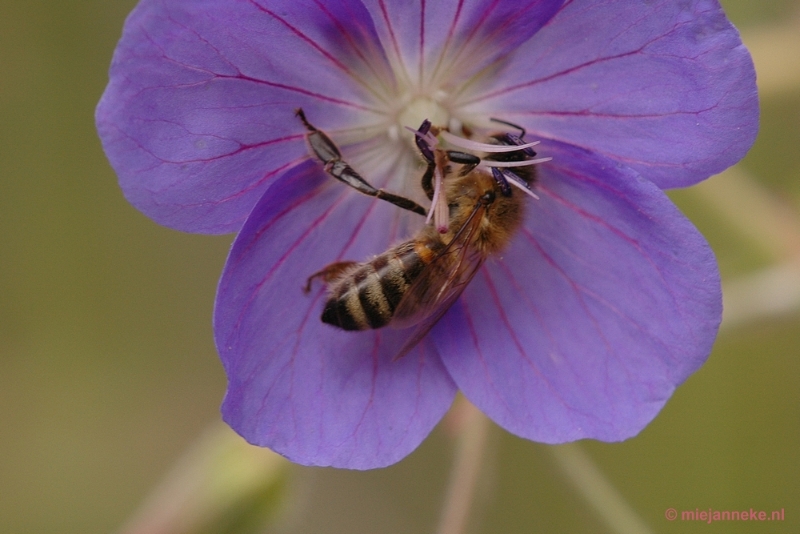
(605, 300)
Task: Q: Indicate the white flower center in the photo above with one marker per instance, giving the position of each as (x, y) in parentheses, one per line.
(421, 108)
(413, 108)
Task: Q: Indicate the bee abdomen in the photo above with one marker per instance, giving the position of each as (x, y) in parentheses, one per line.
(368, 296)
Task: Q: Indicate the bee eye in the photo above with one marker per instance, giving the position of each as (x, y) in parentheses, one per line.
(488, 197)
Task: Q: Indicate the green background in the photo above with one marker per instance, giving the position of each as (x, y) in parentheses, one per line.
(108, 369)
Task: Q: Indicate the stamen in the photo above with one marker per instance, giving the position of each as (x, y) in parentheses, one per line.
(483, 147)
(522, 185)
(437, 187)
(439, 209)
(502, 181)
(525, 163)
(427, 137)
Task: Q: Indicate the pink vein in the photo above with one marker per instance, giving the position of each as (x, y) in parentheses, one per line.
(564, 72)
(313, 44)
(513, 334)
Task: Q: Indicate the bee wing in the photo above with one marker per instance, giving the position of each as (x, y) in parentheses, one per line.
(440, 284)
(443, 304)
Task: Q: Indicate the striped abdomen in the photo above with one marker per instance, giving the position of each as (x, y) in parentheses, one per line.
(368, 295)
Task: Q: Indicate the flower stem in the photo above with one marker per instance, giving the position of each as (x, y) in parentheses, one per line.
(218, 477)
(596, 489)
(471, 444)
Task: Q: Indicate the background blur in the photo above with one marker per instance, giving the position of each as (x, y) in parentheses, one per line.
(108, 372)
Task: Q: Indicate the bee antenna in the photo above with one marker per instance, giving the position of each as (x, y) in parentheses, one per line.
(517, 126)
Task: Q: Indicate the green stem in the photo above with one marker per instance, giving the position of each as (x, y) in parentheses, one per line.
(598, 492)
(470, 447)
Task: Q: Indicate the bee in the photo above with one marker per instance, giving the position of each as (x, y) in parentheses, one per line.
(415, 282)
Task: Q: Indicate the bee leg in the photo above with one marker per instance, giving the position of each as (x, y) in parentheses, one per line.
(328, 153)
(328, 273)
(427, 180)
(469, 161)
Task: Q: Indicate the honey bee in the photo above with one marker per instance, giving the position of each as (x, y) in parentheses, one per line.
(415, 282)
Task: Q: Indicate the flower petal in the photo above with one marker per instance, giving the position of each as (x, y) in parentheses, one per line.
(197, 119)
(428, 41)
(665, 87)
(312, 392)
(607, 300)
